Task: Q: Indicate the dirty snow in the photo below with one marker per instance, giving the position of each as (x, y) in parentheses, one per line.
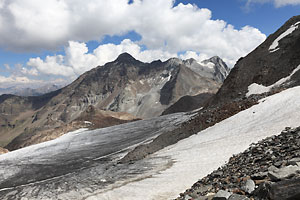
(274, 47)
(255, 88)
(202, 153)
(34, 150)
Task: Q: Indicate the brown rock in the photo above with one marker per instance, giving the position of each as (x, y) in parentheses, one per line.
(3, 151)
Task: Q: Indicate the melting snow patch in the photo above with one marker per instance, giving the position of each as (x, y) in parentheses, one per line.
(274, 47)
(255, 88)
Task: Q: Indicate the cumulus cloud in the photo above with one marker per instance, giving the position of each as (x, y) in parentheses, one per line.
(77, 59)
(27, 82)
(48, 24)
(23, 81)
(277, 3)
(166, 31)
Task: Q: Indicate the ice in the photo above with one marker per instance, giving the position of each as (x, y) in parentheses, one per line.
(200, 154)
(75, 152)
(33, 150)
(255, 88)
(275, 44)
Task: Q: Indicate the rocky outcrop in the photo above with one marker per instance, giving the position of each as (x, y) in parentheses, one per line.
(269, 169)
(188, 103)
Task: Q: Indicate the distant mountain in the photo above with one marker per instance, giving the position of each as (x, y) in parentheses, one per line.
(29, 91)
(273, 65)
(125, 85)
(214, 68)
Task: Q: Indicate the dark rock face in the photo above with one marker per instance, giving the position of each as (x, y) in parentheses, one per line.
(288, 189)
(251, 173)
(263, 66)
(188, 103)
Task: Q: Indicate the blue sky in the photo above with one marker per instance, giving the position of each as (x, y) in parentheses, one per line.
(58, 40)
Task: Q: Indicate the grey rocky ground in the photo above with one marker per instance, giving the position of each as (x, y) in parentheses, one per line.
(269, 169)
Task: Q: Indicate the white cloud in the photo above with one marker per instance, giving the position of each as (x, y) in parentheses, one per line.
(165, 30)
(17, 80)
(7, 67)
(77, 59)
(47, 24)
(26, 82)
(277, 3)
(31, 72)
(52, 65)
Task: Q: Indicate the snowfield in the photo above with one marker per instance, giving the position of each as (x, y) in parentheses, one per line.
(197, 156)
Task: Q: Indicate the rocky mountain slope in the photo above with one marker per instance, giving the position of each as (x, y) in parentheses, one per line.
(273, 60)
(188, 103)
(125, 85)
(214, 68)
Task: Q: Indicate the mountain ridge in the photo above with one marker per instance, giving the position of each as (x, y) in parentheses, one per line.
(263, 66)
(123, 85)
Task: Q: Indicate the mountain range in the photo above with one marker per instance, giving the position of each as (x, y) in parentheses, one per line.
(126, 85)
(30, 91)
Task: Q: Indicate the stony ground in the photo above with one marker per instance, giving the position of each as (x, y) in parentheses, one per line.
(269, 169)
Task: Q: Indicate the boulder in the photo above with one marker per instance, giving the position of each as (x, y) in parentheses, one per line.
(283, 173)
(249, 186)
(222, 195)
(262, 191)
(294, 161)
(187, 197)
(285, 190)
(238, 197)
(259, 175)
